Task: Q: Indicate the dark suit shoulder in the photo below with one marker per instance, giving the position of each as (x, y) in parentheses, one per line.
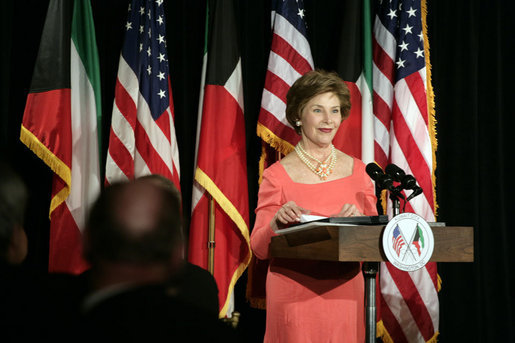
(197, 287)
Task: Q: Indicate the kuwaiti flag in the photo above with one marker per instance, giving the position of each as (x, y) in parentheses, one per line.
(418, 241)
(354, 65)
(60, 124)
(221, 167)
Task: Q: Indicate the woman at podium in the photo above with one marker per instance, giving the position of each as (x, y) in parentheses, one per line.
(313, 301)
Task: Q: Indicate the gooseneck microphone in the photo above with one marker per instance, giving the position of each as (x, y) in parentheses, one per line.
(383, 181)
(407, 181)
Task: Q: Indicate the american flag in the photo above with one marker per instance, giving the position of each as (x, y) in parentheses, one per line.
(397, 240)
(142, 138)
(289, 59)
(404, 135)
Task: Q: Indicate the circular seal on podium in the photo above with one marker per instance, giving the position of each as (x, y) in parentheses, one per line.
(408, 242)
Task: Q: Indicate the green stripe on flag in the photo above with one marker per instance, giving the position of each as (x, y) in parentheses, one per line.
(83, 37)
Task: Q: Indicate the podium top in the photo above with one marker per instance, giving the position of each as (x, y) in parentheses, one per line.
(360, 220)
(342, 242)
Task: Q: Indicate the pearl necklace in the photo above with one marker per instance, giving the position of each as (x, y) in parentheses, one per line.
(323, 170)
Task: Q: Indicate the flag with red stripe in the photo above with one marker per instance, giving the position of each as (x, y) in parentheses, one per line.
(221, 166)
(60, 125)
(405, 135)
(142, 138)
(289, 59)
(354, 66)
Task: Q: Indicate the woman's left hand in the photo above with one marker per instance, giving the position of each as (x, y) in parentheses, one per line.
(349, 210)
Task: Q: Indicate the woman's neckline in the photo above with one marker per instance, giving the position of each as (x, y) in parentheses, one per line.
(320, 183)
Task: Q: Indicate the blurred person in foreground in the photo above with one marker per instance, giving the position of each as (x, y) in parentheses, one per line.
(308, 300)
(193, 284)
(134, 245)
(13, 200)
(21, 288)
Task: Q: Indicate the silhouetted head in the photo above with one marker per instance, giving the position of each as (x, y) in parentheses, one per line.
(13, 200)
(137, 222)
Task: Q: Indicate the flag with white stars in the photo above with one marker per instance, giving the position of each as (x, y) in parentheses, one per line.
(404, 132)
(142, 139)
(290, 58)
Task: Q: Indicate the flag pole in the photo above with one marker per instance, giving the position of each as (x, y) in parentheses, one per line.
(211, 238)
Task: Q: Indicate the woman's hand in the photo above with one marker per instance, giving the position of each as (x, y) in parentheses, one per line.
(288, 213)
(349, 210)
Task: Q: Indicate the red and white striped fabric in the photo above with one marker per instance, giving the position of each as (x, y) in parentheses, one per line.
(290, 58)
(221, 160)
(404, 135)
(142, 138)
(60, 125)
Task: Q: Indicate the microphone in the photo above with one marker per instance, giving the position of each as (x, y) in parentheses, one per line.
(407, 181)
(416, 191)
(382, 180)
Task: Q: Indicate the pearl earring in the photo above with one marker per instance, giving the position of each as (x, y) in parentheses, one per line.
(298, 123)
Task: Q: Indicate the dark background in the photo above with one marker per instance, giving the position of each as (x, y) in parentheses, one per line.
(472, 71)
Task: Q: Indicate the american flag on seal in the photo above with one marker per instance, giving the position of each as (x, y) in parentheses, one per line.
(397, 240)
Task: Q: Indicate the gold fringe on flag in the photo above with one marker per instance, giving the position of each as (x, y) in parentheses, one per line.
(279, 144)
(52, 161)
(262, 160)
(382, 333)
(430, 102)
(434, 339)
(205, 181)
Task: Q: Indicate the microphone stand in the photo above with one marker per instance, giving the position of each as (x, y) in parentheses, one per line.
(379, 207)
(370, 270)
(395, 197)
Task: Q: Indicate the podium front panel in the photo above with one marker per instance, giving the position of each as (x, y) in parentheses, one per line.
(362, 243)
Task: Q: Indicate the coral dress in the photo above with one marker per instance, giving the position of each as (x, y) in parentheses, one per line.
(312, 301)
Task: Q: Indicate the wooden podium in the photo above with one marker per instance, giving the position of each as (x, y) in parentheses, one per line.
(363, 243)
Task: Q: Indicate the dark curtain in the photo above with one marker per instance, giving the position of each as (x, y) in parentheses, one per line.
(471, 44)
(472, 73)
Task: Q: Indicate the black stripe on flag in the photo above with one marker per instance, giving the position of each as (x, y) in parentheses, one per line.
(223, 53)
(350, 54)
(52, 69)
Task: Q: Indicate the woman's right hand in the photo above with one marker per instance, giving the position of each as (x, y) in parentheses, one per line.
(288, 213)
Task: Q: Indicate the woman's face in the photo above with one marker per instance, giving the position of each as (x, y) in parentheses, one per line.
(321, 118)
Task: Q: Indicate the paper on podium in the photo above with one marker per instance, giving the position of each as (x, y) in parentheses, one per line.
(310, 221)
(306, 218)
